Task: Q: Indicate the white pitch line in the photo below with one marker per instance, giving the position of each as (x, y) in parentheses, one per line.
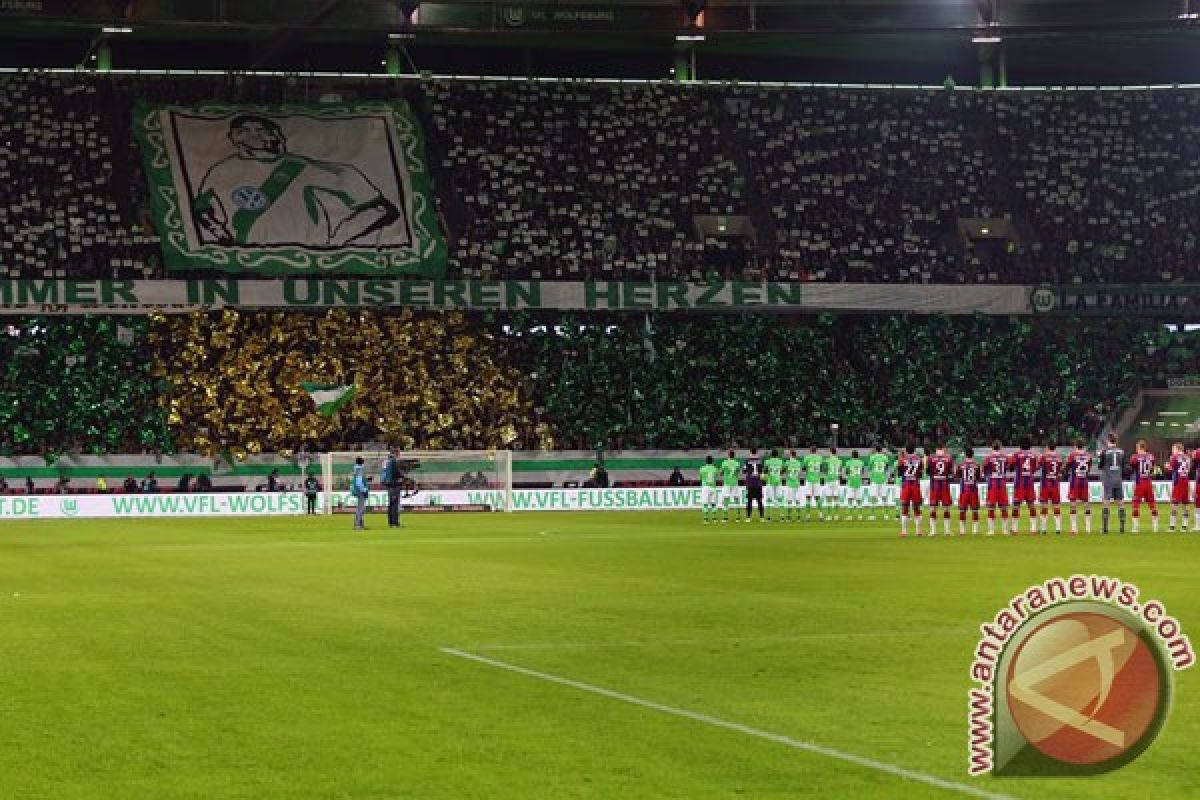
(737, 727)
(716, 640)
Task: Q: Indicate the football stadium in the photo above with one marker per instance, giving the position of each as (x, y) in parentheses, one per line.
(621, 399)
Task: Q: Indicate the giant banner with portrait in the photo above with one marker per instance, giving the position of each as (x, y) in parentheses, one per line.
(291, 190)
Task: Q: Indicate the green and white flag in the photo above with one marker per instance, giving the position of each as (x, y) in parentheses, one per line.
(329, 398)
(291, 190)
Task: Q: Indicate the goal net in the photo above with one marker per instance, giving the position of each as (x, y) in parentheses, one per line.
(467, 479)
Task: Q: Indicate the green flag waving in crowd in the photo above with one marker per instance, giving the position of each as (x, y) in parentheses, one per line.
(328, 398)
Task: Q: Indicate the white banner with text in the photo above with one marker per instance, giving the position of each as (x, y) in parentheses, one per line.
(243, 504)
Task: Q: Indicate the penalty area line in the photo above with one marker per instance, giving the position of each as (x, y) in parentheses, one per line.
(737, 727)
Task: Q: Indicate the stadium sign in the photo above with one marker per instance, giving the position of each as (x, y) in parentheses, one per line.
(1172, 299)
(177, 296)
(674, 498)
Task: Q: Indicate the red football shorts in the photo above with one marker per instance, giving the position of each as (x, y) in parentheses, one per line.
(1023, 492)
(1050, 493)
(939, 493)
(968, 498)
(1143, 492)
(910, 494)
(997, 494)
(1078, 492)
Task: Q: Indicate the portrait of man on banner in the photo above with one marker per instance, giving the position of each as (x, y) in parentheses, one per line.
(292, 190)
(264, 194)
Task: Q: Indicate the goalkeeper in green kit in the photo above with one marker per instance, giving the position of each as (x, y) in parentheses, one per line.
(775, 499)
(731, 469)
(879, 470)
(795, 485)
(833, 482)
(708, 490)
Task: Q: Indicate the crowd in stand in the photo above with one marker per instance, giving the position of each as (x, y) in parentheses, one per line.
(564, 180)
(576, 180)
(688, 381)
(432, 381)
(78, 385)
(230, 383)
(579, 180)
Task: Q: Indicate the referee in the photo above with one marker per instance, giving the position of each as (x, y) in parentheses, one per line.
(1112, 477)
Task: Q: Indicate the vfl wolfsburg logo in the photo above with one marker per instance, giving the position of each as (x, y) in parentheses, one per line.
(68, 508)
(1043, 299)
(250, 198)
(1075, 679)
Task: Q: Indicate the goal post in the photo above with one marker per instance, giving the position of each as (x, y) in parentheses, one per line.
(441, 477)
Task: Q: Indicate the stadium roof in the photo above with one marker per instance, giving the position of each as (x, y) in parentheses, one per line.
(1046, 41)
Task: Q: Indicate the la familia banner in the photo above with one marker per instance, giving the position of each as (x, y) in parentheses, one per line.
(1163, 299)
(293, 189)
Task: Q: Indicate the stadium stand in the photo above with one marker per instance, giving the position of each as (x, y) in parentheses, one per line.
(868, 185)
(229, 383)
(70, 193)
(873, 185)
(565, 180)
(1108, 179)
(688, 382)
(78, 385)
(576, 180)
(433, 381)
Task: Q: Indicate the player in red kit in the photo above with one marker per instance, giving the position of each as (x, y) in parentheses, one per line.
(1195, 461)
(968, 492)
(995, 469)
(1079, 465)
(1050, 465)
(1180, 468)
(909, 468)
(941, 469)
(1024, 464)
(1143, 490)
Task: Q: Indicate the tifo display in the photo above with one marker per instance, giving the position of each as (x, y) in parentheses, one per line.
(232, 383)
(577, 180)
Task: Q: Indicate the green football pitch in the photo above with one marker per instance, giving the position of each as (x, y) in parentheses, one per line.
(602, 655)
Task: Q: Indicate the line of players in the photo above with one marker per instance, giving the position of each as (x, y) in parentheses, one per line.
(810, 483)
(1036, 478)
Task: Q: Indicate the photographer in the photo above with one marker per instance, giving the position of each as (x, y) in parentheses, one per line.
(361, 491)
(393, 479)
